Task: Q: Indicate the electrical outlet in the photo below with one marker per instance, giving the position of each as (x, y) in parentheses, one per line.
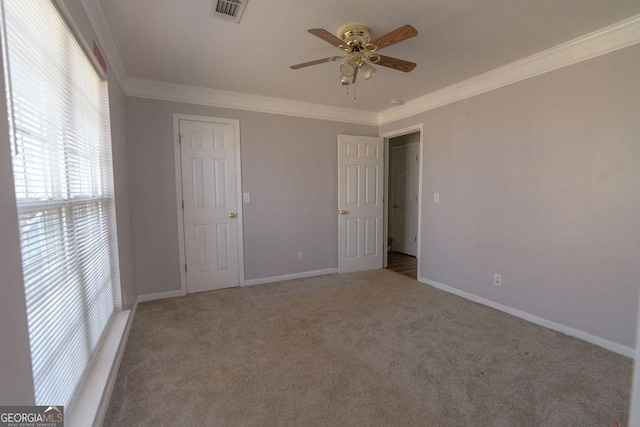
(497, 279)
(436, 197)
(299, 256)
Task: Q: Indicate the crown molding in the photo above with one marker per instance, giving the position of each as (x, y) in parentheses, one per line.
(617, 36)
(154, 89)
(103, 33)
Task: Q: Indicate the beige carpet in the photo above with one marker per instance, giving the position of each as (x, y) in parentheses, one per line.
(361, 349)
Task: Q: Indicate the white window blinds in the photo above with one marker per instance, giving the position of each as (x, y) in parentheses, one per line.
(63, 181)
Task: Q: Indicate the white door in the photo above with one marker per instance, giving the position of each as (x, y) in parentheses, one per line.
(209, 190)
(404, 198)
(360, 205)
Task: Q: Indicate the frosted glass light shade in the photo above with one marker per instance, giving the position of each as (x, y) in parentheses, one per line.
(367, 70)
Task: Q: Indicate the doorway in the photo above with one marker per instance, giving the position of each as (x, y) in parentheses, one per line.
(209, 191)
(402, 211)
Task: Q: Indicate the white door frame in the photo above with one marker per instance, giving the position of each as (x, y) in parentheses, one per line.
(178, 167)
(393, 134)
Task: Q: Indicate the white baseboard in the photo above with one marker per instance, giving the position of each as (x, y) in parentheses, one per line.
(94, 394)
(284, 277)
(601, 342)
(260, 281)
(161, 295)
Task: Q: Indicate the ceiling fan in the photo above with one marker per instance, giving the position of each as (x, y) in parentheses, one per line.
(359, 51)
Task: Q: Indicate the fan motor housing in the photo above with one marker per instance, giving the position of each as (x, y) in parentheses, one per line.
(355, 35)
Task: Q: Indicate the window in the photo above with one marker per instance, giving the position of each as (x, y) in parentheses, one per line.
(61, 152)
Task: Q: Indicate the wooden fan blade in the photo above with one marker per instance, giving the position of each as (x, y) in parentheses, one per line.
(317, 61)
(395, 63)
(326, 36)
(395, 36)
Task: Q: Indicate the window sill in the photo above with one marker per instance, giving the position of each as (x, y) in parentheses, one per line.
(94, 395)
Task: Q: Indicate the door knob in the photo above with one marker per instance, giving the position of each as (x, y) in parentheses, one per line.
(343, 212)
(232, 215)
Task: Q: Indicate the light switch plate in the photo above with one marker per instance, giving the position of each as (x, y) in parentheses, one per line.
(436, 197)
(246, 197)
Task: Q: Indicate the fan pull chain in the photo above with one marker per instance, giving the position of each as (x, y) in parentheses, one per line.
(354, 90)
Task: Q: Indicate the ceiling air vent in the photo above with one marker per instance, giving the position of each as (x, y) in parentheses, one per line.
(229, 10)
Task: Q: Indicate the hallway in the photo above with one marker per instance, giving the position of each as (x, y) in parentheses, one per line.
(403, 264)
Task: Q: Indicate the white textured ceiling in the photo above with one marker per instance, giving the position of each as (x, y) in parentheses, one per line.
(176, 41)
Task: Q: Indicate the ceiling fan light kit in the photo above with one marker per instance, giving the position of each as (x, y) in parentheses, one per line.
(355, 41)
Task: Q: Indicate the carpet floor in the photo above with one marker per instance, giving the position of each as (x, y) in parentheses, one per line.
(361, 349)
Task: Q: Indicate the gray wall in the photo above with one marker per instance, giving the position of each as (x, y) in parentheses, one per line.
(289, 166)
(16, 384)
(117, 104)
(540, 181)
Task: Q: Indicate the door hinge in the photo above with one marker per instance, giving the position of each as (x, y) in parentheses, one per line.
(415, 238)
(180, 136)
(416, 157)
(185, 267)
(183, 204)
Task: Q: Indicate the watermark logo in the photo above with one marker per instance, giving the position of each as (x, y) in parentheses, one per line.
(31, 416)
